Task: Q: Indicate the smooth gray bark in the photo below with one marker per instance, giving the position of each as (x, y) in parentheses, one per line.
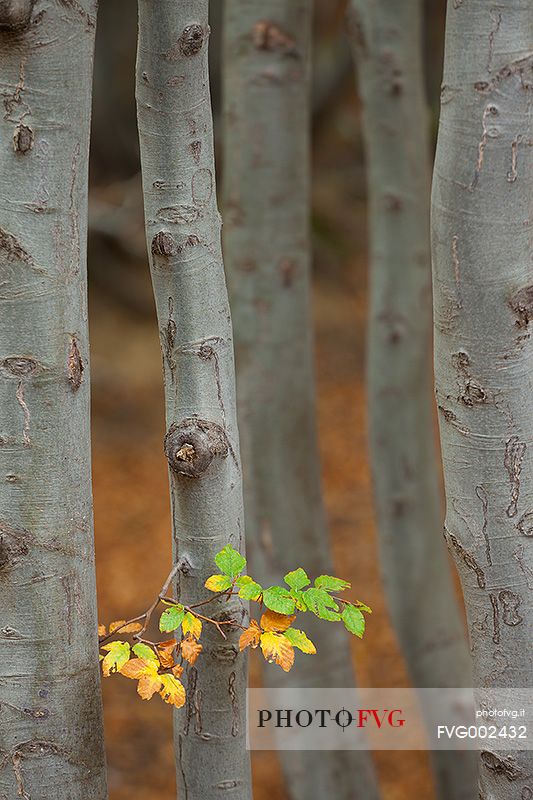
(51, 737)
(266, 243)
(386, 38)
(482, 281)
(183, 232)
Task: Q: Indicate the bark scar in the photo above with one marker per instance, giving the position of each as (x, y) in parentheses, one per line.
(513, 458)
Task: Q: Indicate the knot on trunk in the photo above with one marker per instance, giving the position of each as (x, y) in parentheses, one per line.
(191, 40)
(15, 15)
(191, 445)
(163, 245)
(14, 543)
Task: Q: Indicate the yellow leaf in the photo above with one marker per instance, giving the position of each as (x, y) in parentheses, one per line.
(102, 630)
(277, 648)
(172, 690)
(117, 655)
(192, 625)
(251, 636)
(272, 621)
(190, 649)
(149, 684)
(137, 667)
(218, 583)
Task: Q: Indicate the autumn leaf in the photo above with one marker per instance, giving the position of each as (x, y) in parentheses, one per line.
(172, 690)
(277, 648)
(149, 684)
(300, 640)
(272, 621)
(120, 625)
(165, 652)
(171, 618)
(144, 651)
(177, 670)
(135, 668)
(218, 583)
(117, 655)
(230, 561)
(251, 636)
(190, 649)
(102, 630)
(192, 625)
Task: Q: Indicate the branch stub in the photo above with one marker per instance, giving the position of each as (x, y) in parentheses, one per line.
(191, 445)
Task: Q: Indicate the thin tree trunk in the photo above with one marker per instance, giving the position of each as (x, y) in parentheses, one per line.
(266, 240)
(51, 737)
(387, 40)
(482, 279)
(183, 231)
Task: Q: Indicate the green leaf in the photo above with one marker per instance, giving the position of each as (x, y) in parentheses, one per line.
(300, 640)
(363, 607)
(218, 583)
(297, 579)
(301, 605)
(143, 651)
(171, 618)
(321, 604)
(278, 599)
(230, 561)
(354, 620)
(331, 584)
(248, 588)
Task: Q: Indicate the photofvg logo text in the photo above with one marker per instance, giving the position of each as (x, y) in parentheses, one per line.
(324, 717)
(389, 719)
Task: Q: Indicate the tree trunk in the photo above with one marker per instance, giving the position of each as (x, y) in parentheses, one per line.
(202, 447)
(51, 737)
(266, 239)
(387, 40)
(482, 279)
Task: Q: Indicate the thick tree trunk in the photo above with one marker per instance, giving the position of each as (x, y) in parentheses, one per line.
(51, 737)
(183, 231)
(266, 241)
(386, 36)
(482, 280)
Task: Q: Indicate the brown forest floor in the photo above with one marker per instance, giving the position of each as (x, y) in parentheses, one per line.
(132, 526)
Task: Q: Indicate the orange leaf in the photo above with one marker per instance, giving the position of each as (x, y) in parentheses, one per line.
(148, 685)
(102, 630)
(251, 636)
(190, 649)
(120, 624)
(114, 626)
(177, 671)
(165, 651)
(137, 667)
(172, 690)
(277, 648)
(272, 621)
(133, 627)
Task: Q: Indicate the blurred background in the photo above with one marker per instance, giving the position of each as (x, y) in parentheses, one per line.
(130, 476)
